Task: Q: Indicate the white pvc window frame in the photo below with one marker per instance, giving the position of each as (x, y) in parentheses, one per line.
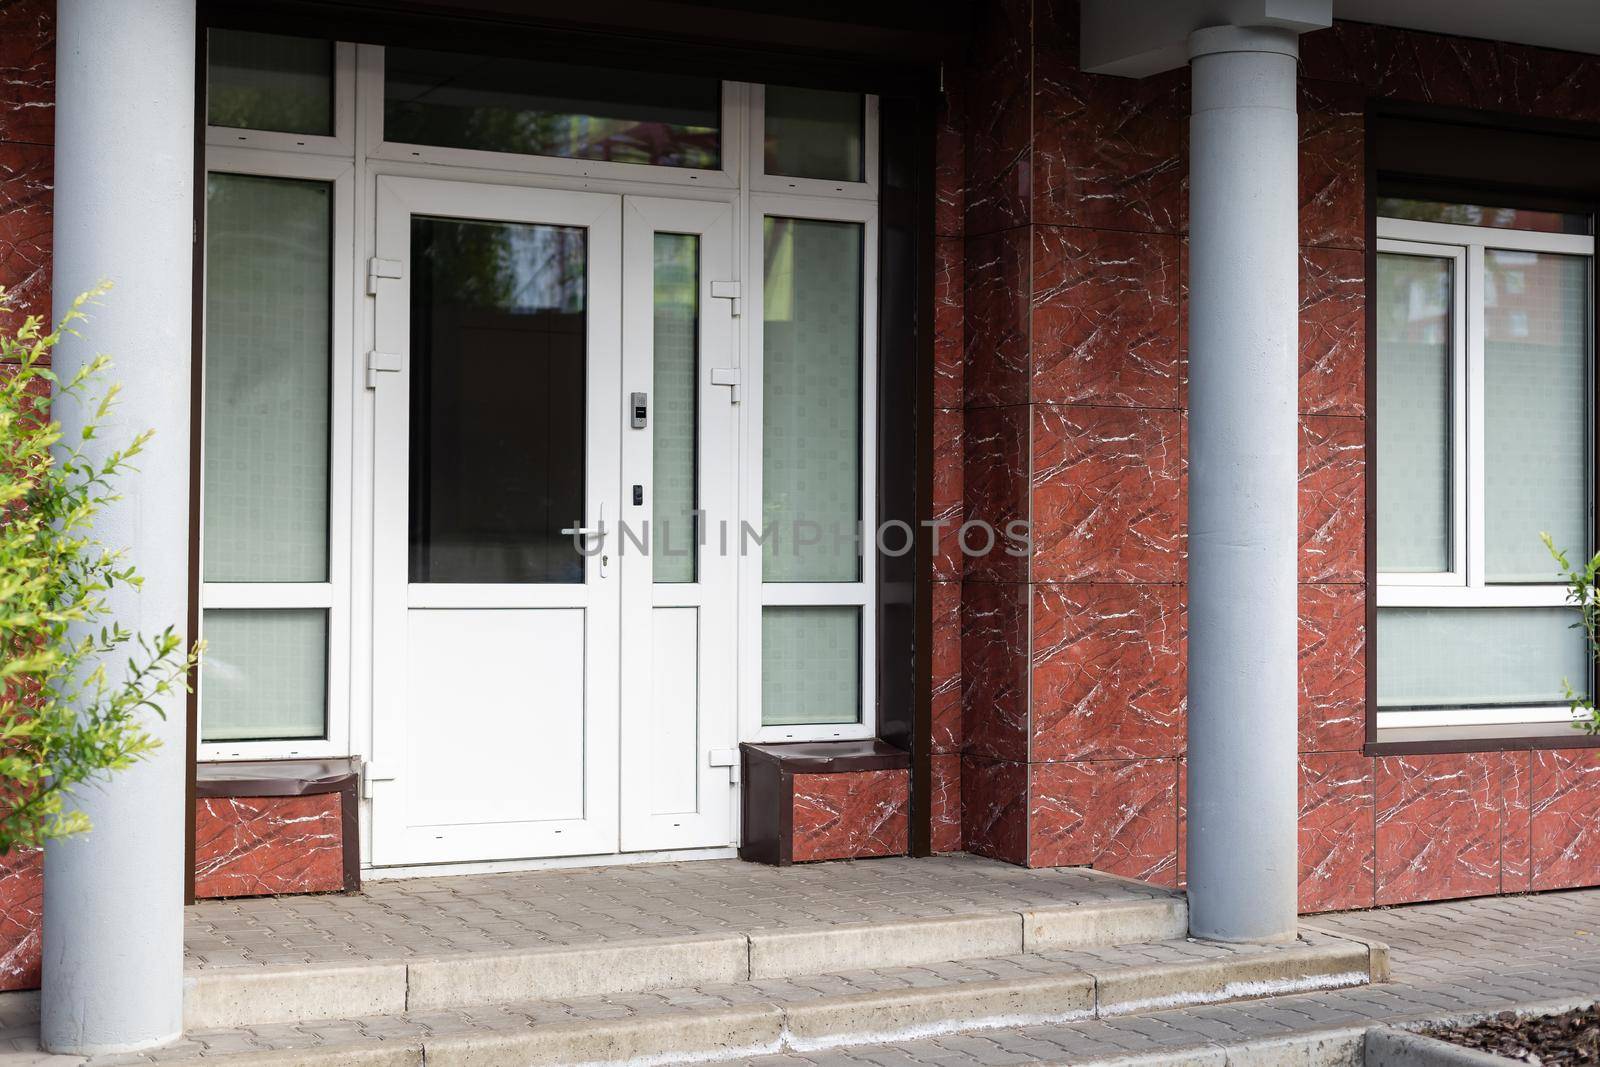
(332, 596)
(1465, 585)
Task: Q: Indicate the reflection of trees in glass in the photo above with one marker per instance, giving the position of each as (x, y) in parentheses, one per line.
(261, 81)
(506, 266)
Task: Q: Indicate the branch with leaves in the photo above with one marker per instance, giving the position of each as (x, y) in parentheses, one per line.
(1581, 594)
(76, 687)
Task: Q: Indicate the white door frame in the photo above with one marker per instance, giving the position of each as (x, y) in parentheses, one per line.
(395, 840)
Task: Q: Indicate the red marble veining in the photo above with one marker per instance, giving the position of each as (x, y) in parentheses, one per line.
(950, 159)
(28, 70)
(257, 846)
(1108, 672)
(995, 491)
(994, 669)
(999, 146)
(1332, 499)
(1110, 152)
(996, 292)
(994, 808)
(946, 661)
(852, 814)
(1516, 828)
(1333, 205)
(1107, 504)
(1333, 679)
(945, 813)
(1566, 818)
(949, 331)
(1115, 815)
(1455, 71)
(949, 504)
(26, 195)
(1438, 826)
(1336, 841)
(1333, 332)
(21, 912)
(1107, 317)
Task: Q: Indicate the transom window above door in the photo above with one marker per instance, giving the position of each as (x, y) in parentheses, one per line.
(1485, 441)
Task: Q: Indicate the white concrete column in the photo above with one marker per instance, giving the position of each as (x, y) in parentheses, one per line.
(124, 171)
(1243, 449)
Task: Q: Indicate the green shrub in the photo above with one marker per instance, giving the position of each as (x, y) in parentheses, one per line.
(1581, 594)
(76, 687)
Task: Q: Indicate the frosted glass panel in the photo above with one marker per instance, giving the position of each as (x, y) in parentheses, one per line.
(265, 516)
(264, 674)
(676, 352)
(811, 388)
(1414, 469)
(814, 133)
(1536, 434)
(810, 665)
(261, 81)
(1477, 657)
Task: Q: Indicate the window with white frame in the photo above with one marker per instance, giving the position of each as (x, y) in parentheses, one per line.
(1485, 431)
(282, 239)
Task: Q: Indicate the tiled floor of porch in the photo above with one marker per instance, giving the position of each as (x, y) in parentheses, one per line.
(405, 918)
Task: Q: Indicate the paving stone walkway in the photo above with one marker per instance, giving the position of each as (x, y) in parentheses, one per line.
(1457, 957)
(438, 916)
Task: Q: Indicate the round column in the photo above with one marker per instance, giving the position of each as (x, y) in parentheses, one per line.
(124, 173)
(1242, 470)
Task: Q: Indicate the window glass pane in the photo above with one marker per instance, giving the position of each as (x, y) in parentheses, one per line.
(264, 675)
(1478, 657)
(1414, 409)
(814, 133)
(810, 665)
(535, 108)
(268, 253)
(811, 391)
(1500, 218)
(260, 81)
(498, 347)
(1536, 412)
(677, 348)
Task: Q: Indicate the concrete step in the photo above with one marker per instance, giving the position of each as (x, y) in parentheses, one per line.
(709, 1021)
(221, 997)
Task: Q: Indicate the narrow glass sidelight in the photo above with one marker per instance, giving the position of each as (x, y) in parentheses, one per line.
(811, 450)
(810, 665)
(264, 676)
(1415, 345)
(498, 384)
(1536, 414)
(267, 375)
(676, 304)
(264, 81)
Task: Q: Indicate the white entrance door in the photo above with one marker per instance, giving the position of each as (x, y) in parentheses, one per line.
(543, 368)
(498, 427)
(680, 479)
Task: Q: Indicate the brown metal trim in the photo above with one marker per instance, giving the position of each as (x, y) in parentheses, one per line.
(191, 704)
(1481, 744)
(925, 166)
(1370, 501)
(830, 757)
(785, 816)
(350, 833)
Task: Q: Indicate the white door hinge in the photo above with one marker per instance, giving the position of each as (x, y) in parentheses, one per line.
(378, 269)
(728, 376)
(727, 291)
(726, 757)
(370, 774)
(382, 363)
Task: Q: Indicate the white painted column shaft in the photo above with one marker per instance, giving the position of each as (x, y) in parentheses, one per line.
(1243, 447)
(113, 908)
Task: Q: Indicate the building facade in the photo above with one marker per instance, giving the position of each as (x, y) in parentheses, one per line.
(996, 429)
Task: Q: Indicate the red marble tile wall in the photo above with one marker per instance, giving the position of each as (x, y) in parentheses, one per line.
(21, 911)
(851, 815)
(1073, 385)
(260, 846)
(27, 132)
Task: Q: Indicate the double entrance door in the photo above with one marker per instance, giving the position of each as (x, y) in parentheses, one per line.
(553, 644)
